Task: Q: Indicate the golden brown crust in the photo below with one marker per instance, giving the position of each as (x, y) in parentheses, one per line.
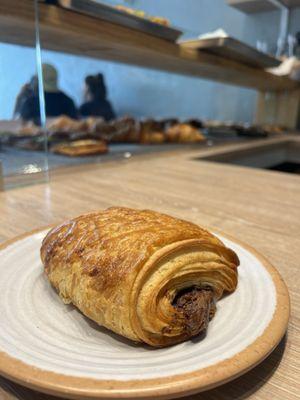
(184, 133)
(81, 148)
(123, 268)
(125, 130)
(151, 132)
(70, 125)
(142, 14)
(60, 124)
(29, 129)
(152, 137)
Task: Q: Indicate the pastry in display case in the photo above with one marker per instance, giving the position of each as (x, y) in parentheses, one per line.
(125, 130)
(67, 124)
(152, 137)
(151, 132)
(81, 148)
(168, 122)
(184, 133)
(195, 122)
(142, 14)
(27, 130)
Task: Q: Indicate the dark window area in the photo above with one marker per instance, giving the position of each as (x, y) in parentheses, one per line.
(290, 167)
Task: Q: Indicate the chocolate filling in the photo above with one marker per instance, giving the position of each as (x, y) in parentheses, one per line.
(197, 307)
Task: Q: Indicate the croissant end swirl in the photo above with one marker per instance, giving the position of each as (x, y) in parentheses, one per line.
(144, 275)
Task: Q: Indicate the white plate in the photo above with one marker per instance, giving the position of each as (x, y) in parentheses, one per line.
(52, 347)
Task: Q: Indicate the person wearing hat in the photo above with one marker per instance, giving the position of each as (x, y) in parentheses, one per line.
(56, 102)
(95, 96)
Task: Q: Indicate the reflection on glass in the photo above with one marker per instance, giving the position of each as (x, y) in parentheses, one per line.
(76, 109)
(22, 142)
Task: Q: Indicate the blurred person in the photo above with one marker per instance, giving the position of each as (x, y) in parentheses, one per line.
(95, 97)
(297, 45)
(56, 101)
(27, 91)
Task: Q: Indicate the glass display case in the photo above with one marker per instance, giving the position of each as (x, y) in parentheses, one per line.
(109, 81)
(23, 143)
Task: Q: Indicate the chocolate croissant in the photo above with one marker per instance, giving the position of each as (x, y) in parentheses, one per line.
(144, 275)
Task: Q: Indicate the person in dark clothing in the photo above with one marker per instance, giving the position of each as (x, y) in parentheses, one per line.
(56, 102)
(95, 96)
(27, 91)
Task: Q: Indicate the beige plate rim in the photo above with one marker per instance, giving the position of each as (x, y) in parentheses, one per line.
(161, 388)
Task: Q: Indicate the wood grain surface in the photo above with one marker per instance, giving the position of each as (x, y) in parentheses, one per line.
(281, 108)
(261, 208)
(70, 32)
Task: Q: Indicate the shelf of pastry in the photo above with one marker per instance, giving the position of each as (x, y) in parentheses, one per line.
(70, 32)
(72, 142)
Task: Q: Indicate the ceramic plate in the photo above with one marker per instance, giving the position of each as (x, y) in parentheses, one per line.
(53, 348)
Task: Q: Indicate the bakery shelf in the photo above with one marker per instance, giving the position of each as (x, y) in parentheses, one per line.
(70, 32)
(256, 6)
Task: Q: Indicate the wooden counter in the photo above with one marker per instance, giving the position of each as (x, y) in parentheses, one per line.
(259, 207)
